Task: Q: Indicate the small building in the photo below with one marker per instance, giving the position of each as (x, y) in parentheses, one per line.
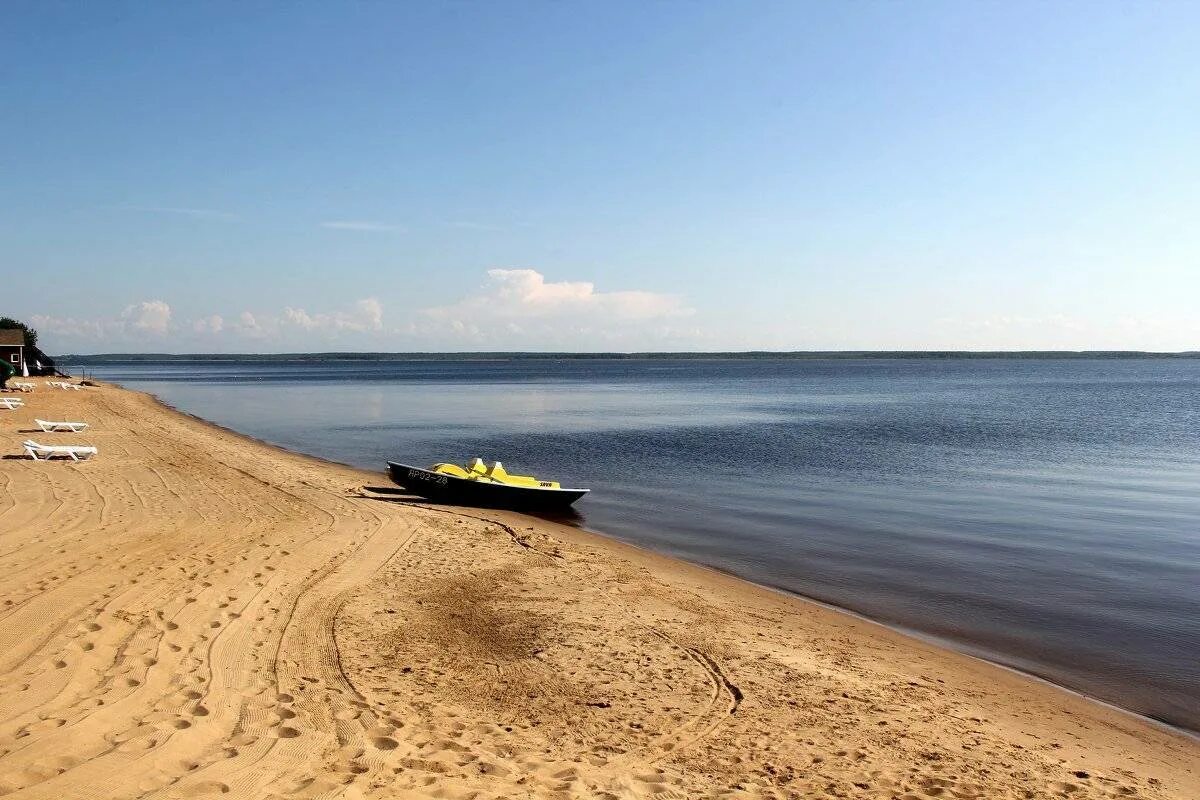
(12, 348)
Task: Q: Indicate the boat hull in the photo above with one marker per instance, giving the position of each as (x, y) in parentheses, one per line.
(483, 494)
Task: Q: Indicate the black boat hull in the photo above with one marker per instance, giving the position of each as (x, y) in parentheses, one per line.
(481, 494)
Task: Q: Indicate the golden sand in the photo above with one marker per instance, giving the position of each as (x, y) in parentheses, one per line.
(196, 614)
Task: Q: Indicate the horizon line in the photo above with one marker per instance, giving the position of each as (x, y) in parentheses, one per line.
(617, 354)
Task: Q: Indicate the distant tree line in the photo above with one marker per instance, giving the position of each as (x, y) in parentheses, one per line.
(113, 358)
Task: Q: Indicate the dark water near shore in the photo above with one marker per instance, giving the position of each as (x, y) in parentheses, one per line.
(1045, 514)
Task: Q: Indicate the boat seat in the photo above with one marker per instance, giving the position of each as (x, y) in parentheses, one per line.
(477, 470)
(500, 475)
(450, 469)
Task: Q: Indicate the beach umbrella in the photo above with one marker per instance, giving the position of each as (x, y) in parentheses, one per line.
(24, 368)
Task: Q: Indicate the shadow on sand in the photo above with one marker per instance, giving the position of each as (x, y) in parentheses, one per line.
(392, 494)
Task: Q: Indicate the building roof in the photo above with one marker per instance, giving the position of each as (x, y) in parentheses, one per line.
(12, 336)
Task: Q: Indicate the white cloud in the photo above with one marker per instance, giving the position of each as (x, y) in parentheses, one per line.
(525, 294)
(68, 327)
(366, 315)
(515, 309)
(519, 308)
(359, 225)
(247, 325)
(149, 316)
(140, 324)
(211, 324)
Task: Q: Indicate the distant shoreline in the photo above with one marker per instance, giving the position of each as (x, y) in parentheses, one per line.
(752, 355)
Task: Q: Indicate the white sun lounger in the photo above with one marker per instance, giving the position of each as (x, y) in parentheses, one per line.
(47, 451)
(11, 403)
(61, 427)
(74, 386)
(22, 386)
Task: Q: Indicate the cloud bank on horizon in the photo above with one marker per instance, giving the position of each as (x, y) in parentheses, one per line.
(520, 310)
(514, 309)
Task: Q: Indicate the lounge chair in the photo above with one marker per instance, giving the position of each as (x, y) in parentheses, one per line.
(22, 386)
(61, 427)
(11, 403)
(47, 451)
(65, 385)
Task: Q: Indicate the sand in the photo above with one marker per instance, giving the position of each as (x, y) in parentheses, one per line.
(197, 614)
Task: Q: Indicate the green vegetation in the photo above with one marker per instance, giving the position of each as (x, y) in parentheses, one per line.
(31, 335)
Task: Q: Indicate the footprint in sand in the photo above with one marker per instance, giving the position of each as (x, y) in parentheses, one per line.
(47, 724)
(138, 745)
(203, 789)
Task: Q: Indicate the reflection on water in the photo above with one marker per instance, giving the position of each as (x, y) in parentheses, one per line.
(1044, 513)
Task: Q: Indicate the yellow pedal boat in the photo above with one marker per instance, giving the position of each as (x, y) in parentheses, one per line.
(477, 484)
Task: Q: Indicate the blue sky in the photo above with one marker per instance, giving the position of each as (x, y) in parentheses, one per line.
(594, 176)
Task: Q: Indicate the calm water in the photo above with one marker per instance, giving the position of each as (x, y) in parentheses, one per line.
(1045, 514)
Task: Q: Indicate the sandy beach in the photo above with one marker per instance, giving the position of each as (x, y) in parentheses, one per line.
(193, 613)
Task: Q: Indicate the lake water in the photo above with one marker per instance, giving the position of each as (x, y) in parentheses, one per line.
(1043, 514)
